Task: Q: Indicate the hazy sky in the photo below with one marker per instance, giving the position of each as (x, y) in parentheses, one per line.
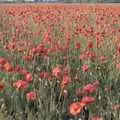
(28, 0)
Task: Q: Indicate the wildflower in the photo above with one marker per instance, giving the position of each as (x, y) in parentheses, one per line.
(85, 68)
(27, 58)
(41, 50)
(1, 67)
(75, 108)
(45, 75)
(67, 70)
(28, 77)
(90, 44)
(2, 61)
(77, 45)
(103, 58)
(118, 49)
(88, 100)
(20, 84)
(89, 88)
(96, 118)
(116, 107)
(68, 36)
(96, 83)
(21, 70)
(7, 67)
(57, 72)
(66, 80)
(1, 86)
(31, 96)
(118, 66)
(34, 50)
(83, 57)
(87, 55)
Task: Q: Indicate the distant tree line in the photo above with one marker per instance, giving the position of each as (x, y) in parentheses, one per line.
(92, 1)
(66, 1)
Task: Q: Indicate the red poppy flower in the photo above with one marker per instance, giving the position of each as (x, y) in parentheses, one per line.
(75, 108)
(89, 88)
(103, 58)
(116, 107)
(1, 86)
(67, 70)
(34, 50)
(28, 77)
(85, 68)
(27, 57)
(118, 66)
(20, 84)
(77, 45)
(8, 67)
(96, 118)
(87, 55)
(2, 61)
(96, 83)
(90, 44)
(31, 96)
(66, 80)
(57, 72)
(88, 100)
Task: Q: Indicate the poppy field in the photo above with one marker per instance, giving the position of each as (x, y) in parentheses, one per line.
(59, 62)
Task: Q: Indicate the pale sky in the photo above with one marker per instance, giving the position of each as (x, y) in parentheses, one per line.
(27, 0)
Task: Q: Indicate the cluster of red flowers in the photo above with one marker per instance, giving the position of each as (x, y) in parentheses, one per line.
(77, 107)
(62, 33)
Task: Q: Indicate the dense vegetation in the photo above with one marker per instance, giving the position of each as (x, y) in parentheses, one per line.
(59, 62)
